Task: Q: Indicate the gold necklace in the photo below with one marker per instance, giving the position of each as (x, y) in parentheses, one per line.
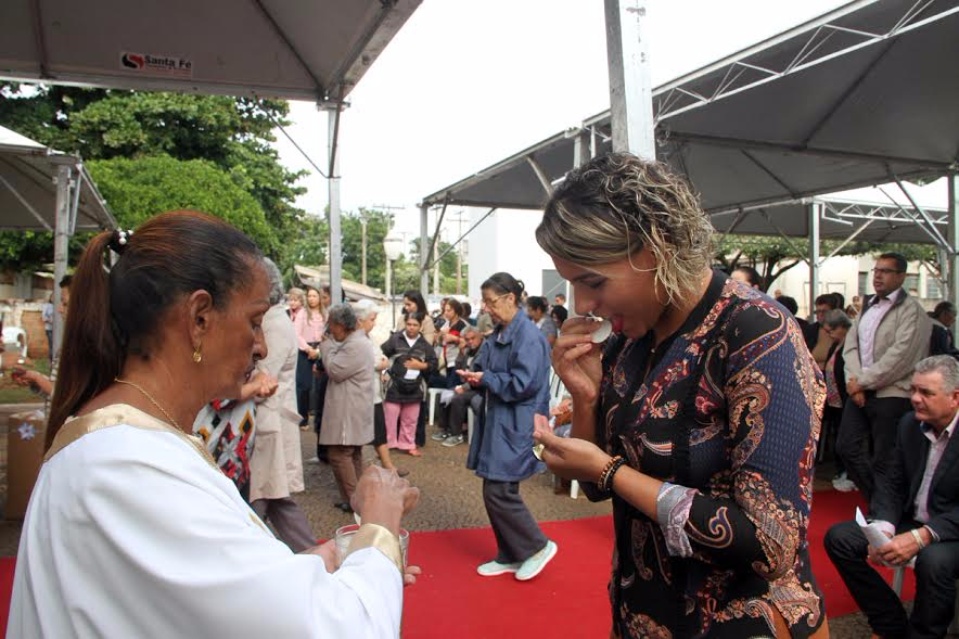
(150, 397)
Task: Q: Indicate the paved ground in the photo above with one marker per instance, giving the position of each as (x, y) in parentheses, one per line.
(451, 498)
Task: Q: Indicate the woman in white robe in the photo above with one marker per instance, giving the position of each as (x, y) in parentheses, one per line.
(132, 530)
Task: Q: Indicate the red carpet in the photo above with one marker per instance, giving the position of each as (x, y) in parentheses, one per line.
(567, 600)
(7, 564)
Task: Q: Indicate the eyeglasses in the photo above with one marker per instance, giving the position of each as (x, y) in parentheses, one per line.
(493, 301)
(886, 271)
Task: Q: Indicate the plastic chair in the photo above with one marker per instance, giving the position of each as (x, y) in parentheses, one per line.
(556, 392)
(434, 394)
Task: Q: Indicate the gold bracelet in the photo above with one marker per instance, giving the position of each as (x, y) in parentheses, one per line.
(608, 481)
(602, 475)
(918, 538)
(605, 478)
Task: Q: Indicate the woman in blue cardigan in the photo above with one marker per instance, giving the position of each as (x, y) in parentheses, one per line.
(513, 369)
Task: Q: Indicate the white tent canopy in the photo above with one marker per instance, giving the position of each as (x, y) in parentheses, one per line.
(304, 50)
(860, 96)
(857, 97)
(291, 49)
(45, 190)
(28, 190)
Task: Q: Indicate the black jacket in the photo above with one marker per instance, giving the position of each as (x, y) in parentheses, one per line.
(897, 486)
(396, 347)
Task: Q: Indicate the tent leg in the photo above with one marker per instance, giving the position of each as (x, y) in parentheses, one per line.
(61, 238)
(953, 233)
(814, 211)
(630, 87)
(424, 251)
(336, 253)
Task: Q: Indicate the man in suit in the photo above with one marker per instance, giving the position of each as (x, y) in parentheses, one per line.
(881, 351)
(916, 504)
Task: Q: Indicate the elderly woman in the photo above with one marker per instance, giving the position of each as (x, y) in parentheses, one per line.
(132, 530)
(348, 413)
(699, 419)
(836, 324)
(276, 468)
(366, 314)
(512, 369)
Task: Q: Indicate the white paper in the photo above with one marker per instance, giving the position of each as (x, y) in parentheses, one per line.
(411, 374)
(873, 532)
(876, 537)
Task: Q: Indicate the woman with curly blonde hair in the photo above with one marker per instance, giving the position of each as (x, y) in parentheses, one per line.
(698, 417)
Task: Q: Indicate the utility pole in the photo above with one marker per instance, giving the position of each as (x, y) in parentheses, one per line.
(436, 269)
(363, 221)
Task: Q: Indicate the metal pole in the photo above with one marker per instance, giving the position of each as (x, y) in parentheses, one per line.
(814, 211)
(459, 255)
(336, 251)
(363, 250)
(953, 232)
(424, 252)
(61, 239)
(436, 268)
(389, 289)
(630, 87)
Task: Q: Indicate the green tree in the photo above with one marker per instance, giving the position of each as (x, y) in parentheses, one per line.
(139, 188)
(232, 135)
(378, 224)
(307, 247)
(772, 256)
(447, 265)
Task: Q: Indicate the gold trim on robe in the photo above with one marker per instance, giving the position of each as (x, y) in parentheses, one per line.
(376, 536)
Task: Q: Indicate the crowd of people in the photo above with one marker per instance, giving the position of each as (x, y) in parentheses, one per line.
(182, 385)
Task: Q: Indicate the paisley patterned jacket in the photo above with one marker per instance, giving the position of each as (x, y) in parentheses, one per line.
(727, 412)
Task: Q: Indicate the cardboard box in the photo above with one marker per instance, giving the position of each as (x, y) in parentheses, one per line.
(25, 435)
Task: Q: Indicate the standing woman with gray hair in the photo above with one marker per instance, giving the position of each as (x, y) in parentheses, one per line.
(348, 410)
(276, 468)
(699, 418)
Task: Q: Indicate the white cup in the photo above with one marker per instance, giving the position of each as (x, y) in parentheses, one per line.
(344, 537)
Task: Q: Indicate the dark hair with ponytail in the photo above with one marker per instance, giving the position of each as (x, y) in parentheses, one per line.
(503, 283)
(416, 297)
(116, 312)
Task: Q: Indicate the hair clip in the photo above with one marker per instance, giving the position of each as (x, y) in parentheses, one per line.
(119, 241)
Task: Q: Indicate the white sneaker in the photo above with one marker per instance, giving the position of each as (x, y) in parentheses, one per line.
(494, 568)
(535, 564)
(844, 485)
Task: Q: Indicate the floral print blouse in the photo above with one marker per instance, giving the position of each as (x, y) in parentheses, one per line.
(728, 414)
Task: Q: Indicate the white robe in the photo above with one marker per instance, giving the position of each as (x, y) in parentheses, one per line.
(131, 533)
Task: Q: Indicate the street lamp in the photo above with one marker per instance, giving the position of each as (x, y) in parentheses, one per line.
(393, 247)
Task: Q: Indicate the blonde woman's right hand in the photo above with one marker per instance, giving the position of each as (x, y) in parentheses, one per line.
(577, 360)
(383, 497)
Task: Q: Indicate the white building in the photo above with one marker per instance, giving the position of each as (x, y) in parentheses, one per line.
(851, 275)
(506, 241)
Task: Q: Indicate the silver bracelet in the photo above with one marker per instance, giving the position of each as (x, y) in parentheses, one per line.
(918, 538)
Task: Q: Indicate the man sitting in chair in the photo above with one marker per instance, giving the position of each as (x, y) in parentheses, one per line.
(916, 504)
(464, 397)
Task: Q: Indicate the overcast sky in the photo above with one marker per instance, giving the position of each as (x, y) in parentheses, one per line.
(465, 84)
